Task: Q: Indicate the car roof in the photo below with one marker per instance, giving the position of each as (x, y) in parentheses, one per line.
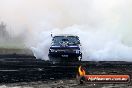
(65, 35)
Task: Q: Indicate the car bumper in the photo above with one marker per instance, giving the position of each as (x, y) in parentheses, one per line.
(65, 55)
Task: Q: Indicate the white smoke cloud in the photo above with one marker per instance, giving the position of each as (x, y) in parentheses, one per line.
(104, 26)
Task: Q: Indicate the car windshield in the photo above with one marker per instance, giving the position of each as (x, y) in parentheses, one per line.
(69, 40)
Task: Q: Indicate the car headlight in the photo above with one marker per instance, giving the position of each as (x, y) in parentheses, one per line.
(77, 51)
(52, 50)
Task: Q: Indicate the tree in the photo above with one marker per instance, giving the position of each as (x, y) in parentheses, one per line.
(3, 32)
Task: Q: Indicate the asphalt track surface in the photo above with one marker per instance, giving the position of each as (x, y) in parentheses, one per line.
(16, 69)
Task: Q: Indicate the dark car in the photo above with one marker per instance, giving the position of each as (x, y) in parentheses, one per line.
(65, 48)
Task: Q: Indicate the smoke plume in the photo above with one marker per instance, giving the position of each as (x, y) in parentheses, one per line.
(104, 26)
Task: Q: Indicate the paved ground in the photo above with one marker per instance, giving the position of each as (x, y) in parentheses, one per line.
(65, 83)
(69, 83)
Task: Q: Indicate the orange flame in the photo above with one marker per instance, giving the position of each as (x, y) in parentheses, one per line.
(81, 71)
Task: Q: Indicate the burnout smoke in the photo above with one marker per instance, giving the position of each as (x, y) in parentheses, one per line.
(104, 27)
